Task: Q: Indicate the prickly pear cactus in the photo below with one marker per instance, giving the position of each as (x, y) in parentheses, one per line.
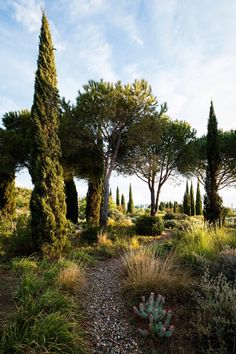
(158, 318)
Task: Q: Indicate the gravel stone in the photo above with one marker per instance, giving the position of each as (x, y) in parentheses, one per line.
(107, 326)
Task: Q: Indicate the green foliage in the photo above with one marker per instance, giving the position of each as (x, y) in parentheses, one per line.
(94, 200)
(192, 201)
(130, 205)
(23, 196)
(46, 318)
(89, 234)
(212, 200)
(149, 225)
(48, 207)
(159, 318)
(7, 195)
(198, 200)
(123, 204)
(72, 212)
(216, 314)
(117, 196)
(169, 216)
(187, 201)
(20, 242)
(170, 224)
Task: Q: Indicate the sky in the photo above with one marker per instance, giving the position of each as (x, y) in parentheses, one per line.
(185, 49)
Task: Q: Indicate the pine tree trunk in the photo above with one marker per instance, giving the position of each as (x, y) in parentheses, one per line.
(104, 210)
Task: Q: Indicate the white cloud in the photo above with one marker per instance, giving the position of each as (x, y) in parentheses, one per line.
(83, 8)
(96, 53)
(28, 12)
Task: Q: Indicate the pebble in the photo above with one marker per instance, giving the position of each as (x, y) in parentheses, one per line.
(108, 328)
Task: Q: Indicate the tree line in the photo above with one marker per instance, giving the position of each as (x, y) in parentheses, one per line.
(111, 127)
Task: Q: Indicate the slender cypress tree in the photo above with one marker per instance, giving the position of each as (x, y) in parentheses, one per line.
(161, 206)
(94, 200)
(130, 206)
(212, 200)
(186, 201)
(175, 209)
(7, 195)
(72, 208)
(48, 207)
(198, 200)
(117, 197)
(192, 202)
(123, 206)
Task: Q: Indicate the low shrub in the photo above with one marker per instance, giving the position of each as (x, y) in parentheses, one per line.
(70, 277)
(215, 320)
(149, 225)
(20, 243)
(170, 224)
(169, 216)
(89, 234)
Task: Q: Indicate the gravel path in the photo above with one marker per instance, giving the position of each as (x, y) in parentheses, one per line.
(108, 329)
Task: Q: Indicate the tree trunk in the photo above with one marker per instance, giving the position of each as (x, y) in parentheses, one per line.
(158, 196)
(153, 204)
(7, 195)
(104, 210)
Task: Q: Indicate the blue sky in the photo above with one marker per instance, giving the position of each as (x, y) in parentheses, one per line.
(185, 49)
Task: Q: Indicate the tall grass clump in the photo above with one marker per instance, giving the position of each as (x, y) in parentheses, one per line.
(147, 271)
(46, 320)
(215, 320)
(201, 242)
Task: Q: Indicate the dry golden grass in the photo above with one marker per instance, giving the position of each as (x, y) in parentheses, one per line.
(146, 271)
(71, 277)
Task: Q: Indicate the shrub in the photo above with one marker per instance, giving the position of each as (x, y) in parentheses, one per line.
(169, 216)
(20, 243)
(170, 224)
(216, 316)
(149, 225)
(89, 234)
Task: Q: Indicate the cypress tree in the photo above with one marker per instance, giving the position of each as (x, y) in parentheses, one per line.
(72, 208)
(7, 195)
(48, 207)
(175, 209)
(94, 200)
(161, 206)
(192, 202)
(117, 197)
(130, 206)
(198, 200)
(123, 206)
(187, 201)
(212, 200)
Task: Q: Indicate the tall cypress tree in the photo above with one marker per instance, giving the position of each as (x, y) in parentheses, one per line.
(72, 208)
(192, 202)
(7, 195)
(198, 200)
(130, 206)
(123, 206)
(117, 196)
(48, 207)
(212, 200)
(187, 201)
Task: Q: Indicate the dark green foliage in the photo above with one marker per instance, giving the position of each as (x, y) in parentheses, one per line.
(123, 205)
(89, 234)
(187, 201)
(212, 200)
(192, 202)
(149, 225)
(130, 205)
(72, 210)
(170, 224)
(48, 207)
(161, 206)
(94, 199)
(7, 195)
(169, 216)
(198, 200)
(117, 196)
(175, 208)
(20, 242)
